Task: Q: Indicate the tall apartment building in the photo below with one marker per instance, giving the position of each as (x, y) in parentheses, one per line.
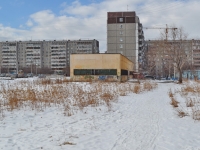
(125, 35)
(53, 55)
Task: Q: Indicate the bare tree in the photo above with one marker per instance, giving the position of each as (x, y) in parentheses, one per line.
(159, 63)
(179, 49)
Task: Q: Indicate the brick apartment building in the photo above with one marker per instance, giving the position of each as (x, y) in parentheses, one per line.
(161, 64)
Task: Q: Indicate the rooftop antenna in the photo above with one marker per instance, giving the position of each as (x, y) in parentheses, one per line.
(127, 7)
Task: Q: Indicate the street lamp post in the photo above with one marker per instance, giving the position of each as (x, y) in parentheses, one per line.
(169, 70)
(36, 69)
(174, 71)
(31, 68)
(0, 69)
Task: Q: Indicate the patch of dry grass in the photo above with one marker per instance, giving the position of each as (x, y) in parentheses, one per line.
(174, 102)
(148, 86)
(189, 102)
(191, 93)
(67, 143)
(69, 96)
(137, 88)
(170, 93)
(181, 113)
(196, 114)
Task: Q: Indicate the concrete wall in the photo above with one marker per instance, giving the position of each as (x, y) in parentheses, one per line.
(122, 38)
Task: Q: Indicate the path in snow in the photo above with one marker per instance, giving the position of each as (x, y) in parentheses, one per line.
(143, 121)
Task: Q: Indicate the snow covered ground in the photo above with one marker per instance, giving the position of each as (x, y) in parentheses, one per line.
(144, 121)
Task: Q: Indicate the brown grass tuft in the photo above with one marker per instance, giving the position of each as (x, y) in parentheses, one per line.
(189, 102)
(196, 114)
(148, 86)
(170, 93)
(68, 143)
(181, 113)
(174, 102)
(137, 88)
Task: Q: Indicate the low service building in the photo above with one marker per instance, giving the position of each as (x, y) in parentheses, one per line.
(110, 67)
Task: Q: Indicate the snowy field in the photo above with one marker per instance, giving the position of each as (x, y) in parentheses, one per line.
(143, 121)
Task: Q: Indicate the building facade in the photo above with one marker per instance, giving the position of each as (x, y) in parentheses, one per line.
(196, 54)
(37, 55)
(125, 35)
(162, 56)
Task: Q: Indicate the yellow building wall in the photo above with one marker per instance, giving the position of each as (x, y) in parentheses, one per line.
(126, 64)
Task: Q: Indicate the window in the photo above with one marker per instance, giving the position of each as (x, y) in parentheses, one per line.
(121, 46)
(120, 19)
(95, 71)
(121, 26)
(121, 32)
(124, 72)
(121, 39)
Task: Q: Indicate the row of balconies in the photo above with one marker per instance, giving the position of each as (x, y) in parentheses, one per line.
(57, 59)
(35, 47)
(6, 52)
(58, 65)
(33, 57)
(58, 50)
(57, 54)
(8, 49)
(9, 56)
(32, 60)
(9, 64)
(32, 54)
(61, 53)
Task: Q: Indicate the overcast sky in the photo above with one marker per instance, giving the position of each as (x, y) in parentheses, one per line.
(86, 19)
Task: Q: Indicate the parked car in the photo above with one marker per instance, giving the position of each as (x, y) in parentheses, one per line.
(2, 75)
(13, 75)
(149, 77)
(8, 75)
(41, 76)
(29, 75)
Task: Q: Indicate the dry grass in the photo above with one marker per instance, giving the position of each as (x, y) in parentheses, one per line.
(148, 86)
(181, 113)
(137, 88)
(68, 96)
(170, 93)
(196, 114)
(189, 102)
(191, 93)
(174, 102)
(68, 143)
